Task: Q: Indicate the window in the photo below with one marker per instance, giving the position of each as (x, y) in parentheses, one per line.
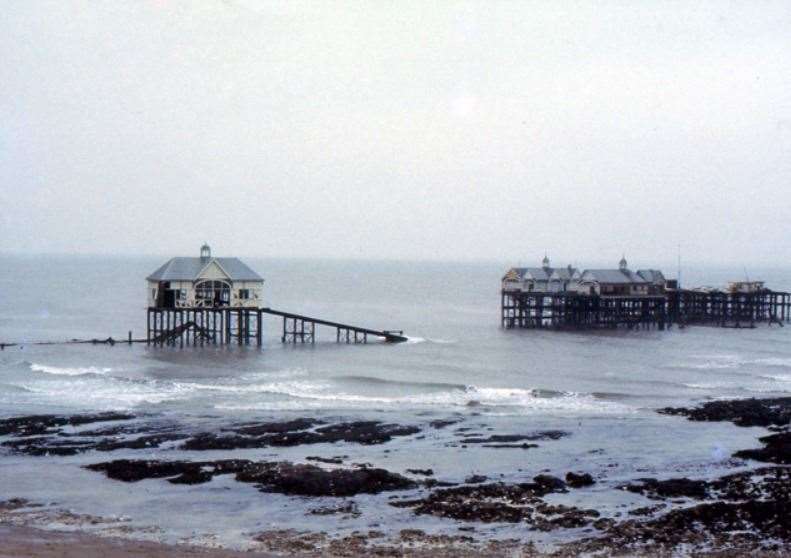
(154, 294)
(212, 294)
(244, 294)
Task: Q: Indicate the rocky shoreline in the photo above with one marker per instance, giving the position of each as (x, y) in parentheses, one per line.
(743, 512)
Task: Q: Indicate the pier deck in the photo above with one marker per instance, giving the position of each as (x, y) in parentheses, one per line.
(567, 310)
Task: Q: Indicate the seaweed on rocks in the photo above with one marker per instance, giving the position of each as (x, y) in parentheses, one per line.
(742, 412)
(777, 449)
(736, 526)
(670, 488)
(752, 512)
(73, 446)
(349, 509)
(442, 423)
(365, 432)
(37, 425)
(283, 477)
(511, 438)
(510, 446)
(422, 472)
(337, 460)
(177, 472)
(773, 413)
(361, 432)
(310, 480)
(500, 502)
(579, 480)
(476, 479)
(258, 429)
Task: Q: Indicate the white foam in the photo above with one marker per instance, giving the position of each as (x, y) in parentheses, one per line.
(319, 395)
(711, 362)
(710, 385)
(102, 392)
(66, 371)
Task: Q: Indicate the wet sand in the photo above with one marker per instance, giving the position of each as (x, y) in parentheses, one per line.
(21, 542)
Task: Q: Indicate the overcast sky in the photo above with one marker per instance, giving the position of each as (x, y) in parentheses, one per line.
(444, 130)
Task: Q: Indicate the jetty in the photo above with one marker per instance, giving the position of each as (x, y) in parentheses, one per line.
(567, 298)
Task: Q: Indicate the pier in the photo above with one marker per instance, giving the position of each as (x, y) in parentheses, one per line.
(244, 326)
(527, 310)
(572, 310)
(571, 298)
(728, 309)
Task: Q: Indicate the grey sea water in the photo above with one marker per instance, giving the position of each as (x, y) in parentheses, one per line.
(603, 388)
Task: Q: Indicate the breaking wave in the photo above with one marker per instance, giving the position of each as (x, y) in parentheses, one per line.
(311, 395)
(66, 371)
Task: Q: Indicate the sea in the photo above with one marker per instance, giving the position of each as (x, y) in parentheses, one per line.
(602, 388)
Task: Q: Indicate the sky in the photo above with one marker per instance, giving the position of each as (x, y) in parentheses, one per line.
(398, 130)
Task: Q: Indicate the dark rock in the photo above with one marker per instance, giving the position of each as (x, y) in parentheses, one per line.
(604, 523)
(647, 510)
(349, 508)
(494, 502)
(259, 429)
(510, 446)
(550, 483)
(578, 480)
(777, 449)
(329, 460)
(742, 412)
(14, 504)
(179, 472)
(309, 480)
(431, 483)
(73, 446)
(476, 479)
(740, 528)
(361, 432)
(438, 424)
(670, 488)
(510, 438)
(283, 477)
(365, 432)
(423, 472)
(36, 425)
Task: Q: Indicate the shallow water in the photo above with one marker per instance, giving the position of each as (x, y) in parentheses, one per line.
(601, 387)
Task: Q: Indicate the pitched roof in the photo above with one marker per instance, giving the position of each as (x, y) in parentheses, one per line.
(537, 273)
(189, 269)
(565, 273)
(651, 275)
(616, 276)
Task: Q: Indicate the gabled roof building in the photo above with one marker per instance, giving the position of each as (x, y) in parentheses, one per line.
(204, 282)
(606, 282)
(538, 279)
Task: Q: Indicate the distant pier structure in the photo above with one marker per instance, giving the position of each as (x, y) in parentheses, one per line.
(570, 298)
(209, 300)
